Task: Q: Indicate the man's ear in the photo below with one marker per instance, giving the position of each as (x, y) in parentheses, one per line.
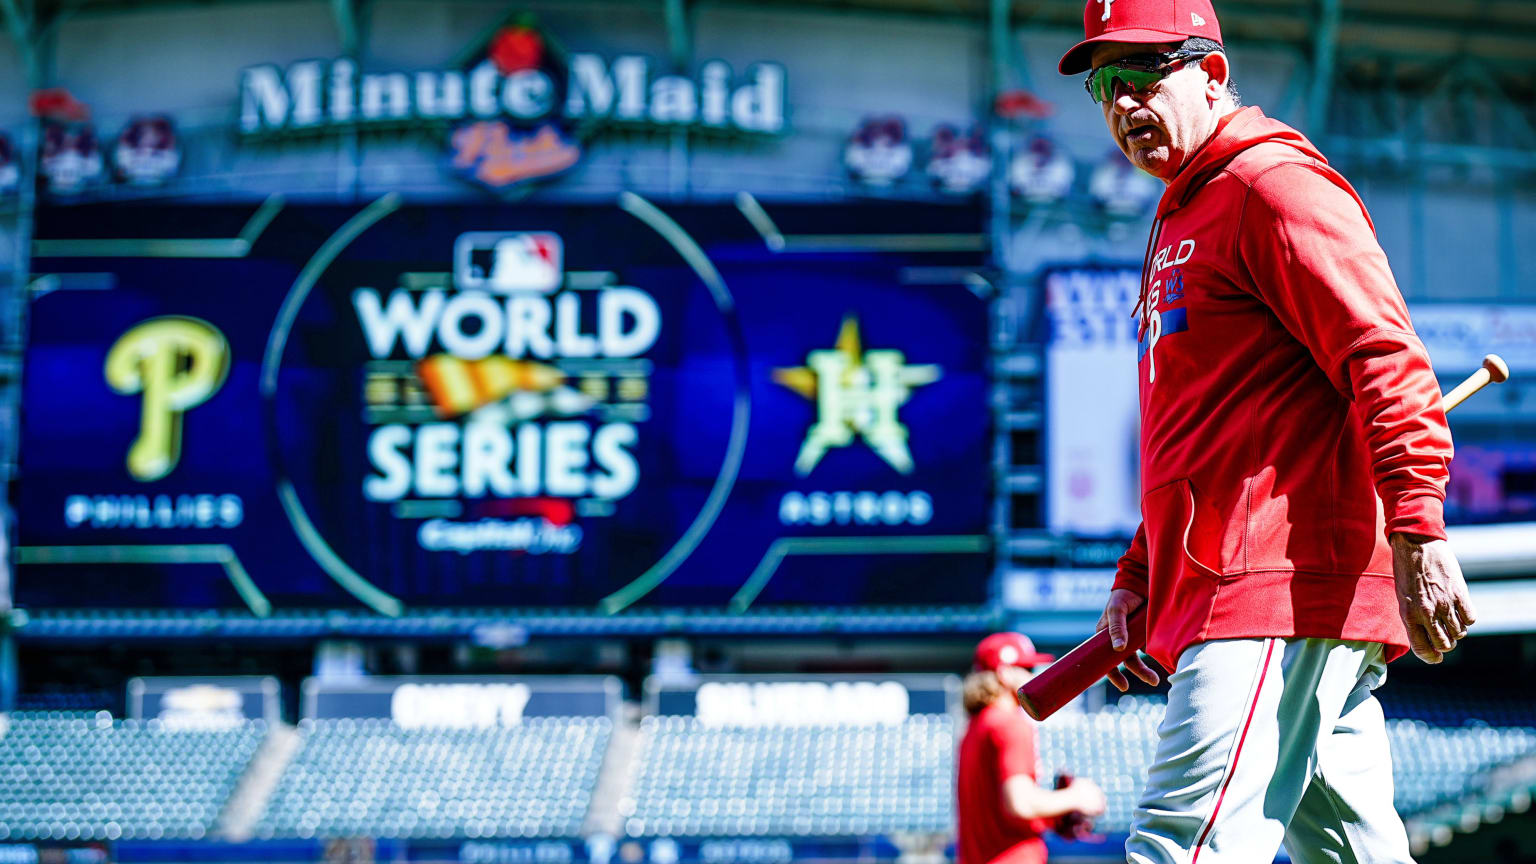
(1217, 70)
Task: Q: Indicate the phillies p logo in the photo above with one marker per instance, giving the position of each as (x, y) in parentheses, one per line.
(176, 363)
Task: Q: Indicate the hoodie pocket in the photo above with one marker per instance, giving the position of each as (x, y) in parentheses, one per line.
(1182, 535)
(1182, 538)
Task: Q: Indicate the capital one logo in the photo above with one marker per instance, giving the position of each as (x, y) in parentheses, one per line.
(173, 364)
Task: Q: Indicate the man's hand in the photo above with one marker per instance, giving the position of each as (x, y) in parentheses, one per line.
(1087, 797)
(1123, 602)
(1432, 596)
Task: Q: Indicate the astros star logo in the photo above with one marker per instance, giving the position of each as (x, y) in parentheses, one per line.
(857, 393)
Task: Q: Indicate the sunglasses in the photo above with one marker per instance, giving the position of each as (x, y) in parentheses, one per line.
(1138, 72)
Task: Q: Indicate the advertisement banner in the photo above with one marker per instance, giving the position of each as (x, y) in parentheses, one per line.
(466, 702)
(1459, 334)
(204, 703)
(515, 106)
(1091, 402)
(1057, 590)
(804, 700)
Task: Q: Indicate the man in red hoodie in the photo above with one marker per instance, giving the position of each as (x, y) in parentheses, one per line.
(1293, 464)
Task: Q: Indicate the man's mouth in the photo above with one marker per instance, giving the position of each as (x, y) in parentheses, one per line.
(1141, 134)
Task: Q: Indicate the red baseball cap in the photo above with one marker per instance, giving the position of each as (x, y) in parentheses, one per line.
(1149, 21)
(1008, 649)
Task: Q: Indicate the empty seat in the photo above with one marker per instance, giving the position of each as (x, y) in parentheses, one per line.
(85, 776)
(374, 778)
(696, 780)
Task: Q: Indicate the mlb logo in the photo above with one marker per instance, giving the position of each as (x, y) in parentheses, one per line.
(505, 261)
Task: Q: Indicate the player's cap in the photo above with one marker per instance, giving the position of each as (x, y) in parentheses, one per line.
(1149, 21)
(1008, 649)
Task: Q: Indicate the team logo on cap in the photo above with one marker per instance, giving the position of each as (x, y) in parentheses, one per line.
(1107, 4)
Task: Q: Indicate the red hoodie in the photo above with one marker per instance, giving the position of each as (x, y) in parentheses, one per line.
(1290, 419)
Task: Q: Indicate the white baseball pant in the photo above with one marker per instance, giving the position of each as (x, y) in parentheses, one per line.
(1268, 741)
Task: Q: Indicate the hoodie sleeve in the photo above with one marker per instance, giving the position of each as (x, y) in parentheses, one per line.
(1131, 572)
(1311, 251)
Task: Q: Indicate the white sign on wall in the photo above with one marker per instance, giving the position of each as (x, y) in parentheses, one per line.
(1459, 334)
(1091, 402)
(802, 703)
(1058, 590)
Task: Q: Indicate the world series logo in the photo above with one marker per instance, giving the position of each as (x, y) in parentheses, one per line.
(485, 384)
(453, 405)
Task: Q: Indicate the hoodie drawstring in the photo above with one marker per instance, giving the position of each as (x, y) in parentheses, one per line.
(1146, 261)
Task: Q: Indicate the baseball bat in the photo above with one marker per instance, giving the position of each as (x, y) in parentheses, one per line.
(1084, 665)
(1493, 371)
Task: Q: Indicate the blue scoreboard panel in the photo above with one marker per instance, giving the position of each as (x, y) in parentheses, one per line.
(598, 406)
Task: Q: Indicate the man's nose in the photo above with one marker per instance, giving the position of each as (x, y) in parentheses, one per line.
(1126, 98)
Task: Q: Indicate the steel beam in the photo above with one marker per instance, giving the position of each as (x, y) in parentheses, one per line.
(1324, 45)
(18, 23)
(680, 52)
(10, 677)
(679, 41)
(34, 46)
(1001, 36)
(345, 13)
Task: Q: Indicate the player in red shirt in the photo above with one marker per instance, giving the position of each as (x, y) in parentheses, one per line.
(1002, 811)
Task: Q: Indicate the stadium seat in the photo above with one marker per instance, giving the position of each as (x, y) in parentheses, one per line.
(694, 780)
(1431, 764)
(68, 776)
(1409, 701)
(1113, 746)
(374, 778)
(82, 776)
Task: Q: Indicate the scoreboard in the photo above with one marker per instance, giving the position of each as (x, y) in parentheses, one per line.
(600, 406)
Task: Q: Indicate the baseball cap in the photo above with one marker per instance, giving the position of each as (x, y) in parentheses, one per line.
(1149, 21)
(1009, 649)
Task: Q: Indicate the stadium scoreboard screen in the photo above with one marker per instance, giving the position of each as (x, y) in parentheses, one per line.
(391, 406)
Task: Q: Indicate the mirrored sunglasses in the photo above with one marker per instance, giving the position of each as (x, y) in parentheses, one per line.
(1138, 72)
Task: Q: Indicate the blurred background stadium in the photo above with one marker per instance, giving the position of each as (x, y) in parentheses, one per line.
(488, 432)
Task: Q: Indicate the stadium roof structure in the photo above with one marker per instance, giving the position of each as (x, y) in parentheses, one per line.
(1427, 72)
(1416, 27)
(1421, 29)
(1493, 28)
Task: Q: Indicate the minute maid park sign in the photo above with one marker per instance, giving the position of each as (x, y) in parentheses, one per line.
(517, 104)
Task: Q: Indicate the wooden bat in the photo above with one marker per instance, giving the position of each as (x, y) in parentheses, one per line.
(1083, 666)
(1494, 370)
